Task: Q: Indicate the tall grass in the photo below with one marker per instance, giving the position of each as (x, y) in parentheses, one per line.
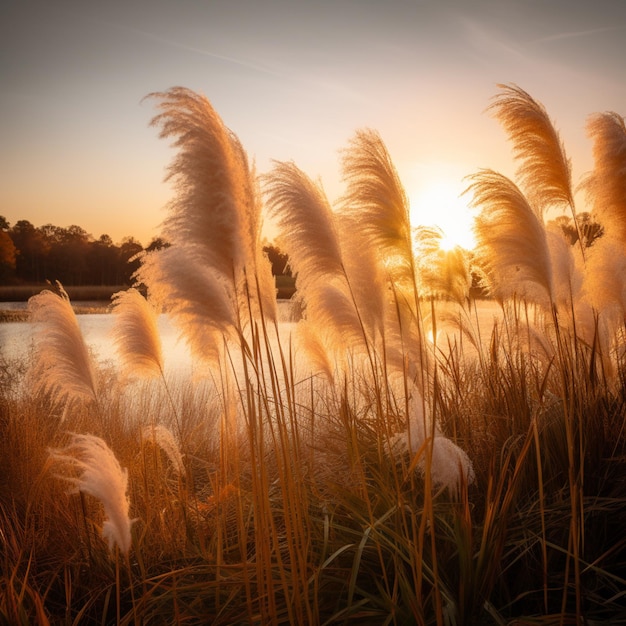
(394, 460)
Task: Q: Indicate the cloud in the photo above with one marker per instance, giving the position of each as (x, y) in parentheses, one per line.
(577, 34)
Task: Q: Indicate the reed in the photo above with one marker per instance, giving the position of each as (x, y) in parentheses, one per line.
(101, 476)
(62, 367)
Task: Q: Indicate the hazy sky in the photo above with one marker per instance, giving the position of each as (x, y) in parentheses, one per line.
(293, 80)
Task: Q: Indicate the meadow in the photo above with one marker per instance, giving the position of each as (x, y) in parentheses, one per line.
(367, 468)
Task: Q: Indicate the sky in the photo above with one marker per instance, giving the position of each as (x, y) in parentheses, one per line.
(294, 80)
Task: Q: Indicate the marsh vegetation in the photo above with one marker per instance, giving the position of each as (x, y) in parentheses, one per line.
(367, 468)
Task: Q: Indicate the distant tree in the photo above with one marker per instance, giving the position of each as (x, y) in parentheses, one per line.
(32, 249)
(128, 262)
(7, 258)
(589, 228)
(4, 224)
(157, 243)
(102, 261)
(278, 259)
(69, 252)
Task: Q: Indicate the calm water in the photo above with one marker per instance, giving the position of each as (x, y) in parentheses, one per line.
(16, 338)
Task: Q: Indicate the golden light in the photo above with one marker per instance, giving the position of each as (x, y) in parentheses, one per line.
(440, 203)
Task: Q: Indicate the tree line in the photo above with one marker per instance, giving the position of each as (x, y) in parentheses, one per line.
(33, 255)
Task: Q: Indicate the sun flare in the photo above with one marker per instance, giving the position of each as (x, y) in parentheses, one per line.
(441, 203)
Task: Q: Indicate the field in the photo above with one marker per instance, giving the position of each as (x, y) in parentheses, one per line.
(400, 457)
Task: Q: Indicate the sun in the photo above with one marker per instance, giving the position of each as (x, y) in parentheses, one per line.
(439, 202)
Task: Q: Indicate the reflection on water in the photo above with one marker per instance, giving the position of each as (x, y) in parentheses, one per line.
(16, 338)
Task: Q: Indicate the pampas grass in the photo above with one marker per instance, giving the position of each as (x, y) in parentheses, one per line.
(311, 239)
(306, 223)
(605, 281)
(376, 195)
(449, 466)
(606, 184)
(211, 176)
(199, 301)
(162, 437)
(544, 171)
(214, 226)
(511, 241)
(136, 335)
(101, 476)
(408, 483)
(62, 366)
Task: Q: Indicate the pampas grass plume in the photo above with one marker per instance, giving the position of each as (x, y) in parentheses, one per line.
(606, 184)
(164, 438)
(136, 334)
(512, 246)
(62, 364)
(450, 464)
(101, 476)
(211, 210)
(306, 224)
(196, 297)
(376, 197)
(545, 170)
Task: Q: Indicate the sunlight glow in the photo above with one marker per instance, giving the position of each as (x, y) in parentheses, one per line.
(440, 203)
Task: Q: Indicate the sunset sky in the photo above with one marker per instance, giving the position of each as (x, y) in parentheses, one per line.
(293, 80)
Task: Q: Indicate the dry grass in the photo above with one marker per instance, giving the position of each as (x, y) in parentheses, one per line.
(268, 490)
(293, 506)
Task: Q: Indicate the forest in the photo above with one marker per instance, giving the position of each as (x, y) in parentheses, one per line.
(72, 256)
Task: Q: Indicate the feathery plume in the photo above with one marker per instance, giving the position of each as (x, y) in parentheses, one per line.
(307, 336)
(263, 294)
(213, 210)
(62, 365)
(566, 273)
(135, 334)
(100, 476)
(366, 276)
(606, 184)
(605, 277)
(376, 197)
(330, 306)
(545, 170)
(449, 463)
(216, 213)
(195, 296)
(164, 438)
(306, 223)
(511, 239)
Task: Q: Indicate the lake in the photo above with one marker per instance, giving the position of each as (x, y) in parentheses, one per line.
(16, 338)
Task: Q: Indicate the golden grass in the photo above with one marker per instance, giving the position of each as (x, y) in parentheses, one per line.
(293, 506)
(267, 490)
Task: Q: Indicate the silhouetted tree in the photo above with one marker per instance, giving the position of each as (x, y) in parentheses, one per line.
(103, 261)
(128, 263)
(68, 256)
(7, 258)
(278, 259)
(589, 228)
(32, 250)
(157, 243)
